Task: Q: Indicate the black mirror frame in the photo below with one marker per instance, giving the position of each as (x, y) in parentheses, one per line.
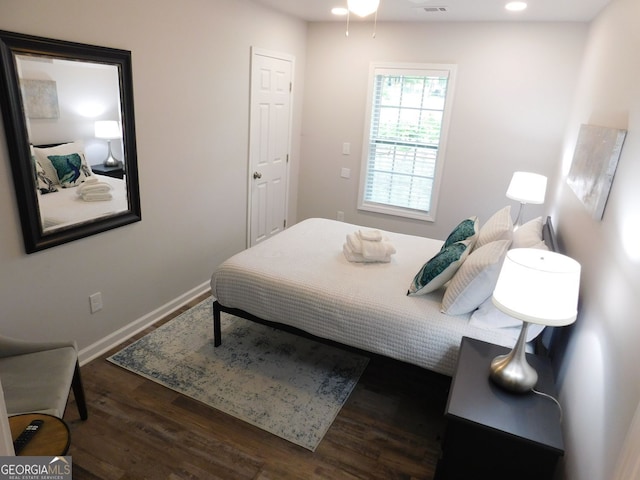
(18, 140)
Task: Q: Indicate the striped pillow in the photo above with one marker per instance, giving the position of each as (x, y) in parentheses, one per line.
(498, 227)
(476, 279)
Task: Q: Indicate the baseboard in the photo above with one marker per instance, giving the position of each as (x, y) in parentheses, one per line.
(100, 347)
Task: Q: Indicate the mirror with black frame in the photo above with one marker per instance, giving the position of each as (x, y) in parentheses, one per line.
(68, 116)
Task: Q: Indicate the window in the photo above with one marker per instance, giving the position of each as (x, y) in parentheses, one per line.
(405, 133)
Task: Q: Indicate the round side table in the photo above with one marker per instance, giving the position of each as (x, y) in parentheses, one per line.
(53, 437)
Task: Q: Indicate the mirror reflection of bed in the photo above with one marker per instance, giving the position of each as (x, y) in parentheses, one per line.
(70, 194)
(64, 99)
(54, 93)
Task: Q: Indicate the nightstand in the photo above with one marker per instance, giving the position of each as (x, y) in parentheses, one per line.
(493, 433)
(115, 172)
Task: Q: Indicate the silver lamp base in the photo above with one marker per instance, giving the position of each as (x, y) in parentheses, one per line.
(110, 161)
(518, 223)
(511, 371)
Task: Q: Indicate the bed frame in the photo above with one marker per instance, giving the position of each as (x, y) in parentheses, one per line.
(543, 345)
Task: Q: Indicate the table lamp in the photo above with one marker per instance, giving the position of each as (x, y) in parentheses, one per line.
(526, 187)
(109, 130)
(535, 286)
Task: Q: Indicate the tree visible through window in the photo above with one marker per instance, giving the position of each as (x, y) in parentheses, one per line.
(404, 139)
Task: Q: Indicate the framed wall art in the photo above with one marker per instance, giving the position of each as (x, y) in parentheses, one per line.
(594, 165)
(40, 99)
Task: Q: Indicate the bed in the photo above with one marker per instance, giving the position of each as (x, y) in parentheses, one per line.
(300, 279)
(65, 207)
(64, 195)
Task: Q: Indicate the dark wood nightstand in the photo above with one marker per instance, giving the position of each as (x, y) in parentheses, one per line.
(492, 433)
(115, 172)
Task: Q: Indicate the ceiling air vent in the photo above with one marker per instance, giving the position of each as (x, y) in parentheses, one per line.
(435, 9)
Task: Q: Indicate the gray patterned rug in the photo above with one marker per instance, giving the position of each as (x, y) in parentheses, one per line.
(284, 384)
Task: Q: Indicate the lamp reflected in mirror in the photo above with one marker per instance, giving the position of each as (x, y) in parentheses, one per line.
(109, 130)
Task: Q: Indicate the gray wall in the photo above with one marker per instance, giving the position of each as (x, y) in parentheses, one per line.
(191, 64)
(600, 378)
(512, 100)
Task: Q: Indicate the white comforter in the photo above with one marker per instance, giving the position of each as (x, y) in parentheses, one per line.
(64, 208)
(301, 278)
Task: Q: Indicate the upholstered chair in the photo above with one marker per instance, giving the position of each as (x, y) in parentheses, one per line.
(37, 377)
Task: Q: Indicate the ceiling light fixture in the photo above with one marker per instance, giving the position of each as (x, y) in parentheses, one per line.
(363, 8)
(516, 6)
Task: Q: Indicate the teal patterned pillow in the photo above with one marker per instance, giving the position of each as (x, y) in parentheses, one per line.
(71, 169)
(439, 269)
(467, 229)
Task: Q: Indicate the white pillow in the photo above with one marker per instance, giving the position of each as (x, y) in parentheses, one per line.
(476, 279)
(498, 227)
(528, 235)
(42, 155)
(487, 316)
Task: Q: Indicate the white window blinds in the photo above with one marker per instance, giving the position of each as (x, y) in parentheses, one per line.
(404, 140)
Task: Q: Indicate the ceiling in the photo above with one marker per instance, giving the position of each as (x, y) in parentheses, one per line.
(448, 10)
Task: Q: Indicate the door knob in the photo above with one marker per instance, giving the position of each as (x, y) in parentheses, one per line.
(257, 175)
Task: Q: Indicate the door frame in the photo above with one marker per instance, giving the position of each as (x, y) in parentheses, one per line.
(255, 51)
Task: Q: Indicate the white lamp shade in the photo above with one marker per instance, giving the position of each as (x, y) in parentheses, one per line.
(362, 8)
(538, 286)
(526, 187)
(107, 129)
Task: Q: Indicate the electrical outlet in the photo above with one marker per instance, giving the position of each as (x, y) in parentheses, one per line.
(95, 302)
(340, 216)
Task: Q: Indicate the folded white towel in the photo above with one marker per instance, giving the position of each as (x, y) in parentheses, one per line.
(93, 187)
(353, 240)
(91, 179)
(351, 256)
(377, 251)
(96, 196)
(370, 235)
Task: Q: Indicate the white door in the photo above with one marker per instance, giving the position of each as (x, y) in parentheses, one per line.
(269, 133)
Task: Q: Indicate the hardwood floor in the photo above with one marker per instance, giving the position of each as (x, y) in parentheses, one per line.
(390, 428)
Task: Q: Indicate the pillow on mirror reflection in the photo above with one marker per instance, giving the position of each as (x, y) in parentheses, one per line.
(44, 183)
(70, 169)
(42, 154)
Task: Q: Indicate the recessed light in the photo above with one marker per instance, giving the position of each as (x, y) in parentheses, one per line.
(516, 6)
(339, 11)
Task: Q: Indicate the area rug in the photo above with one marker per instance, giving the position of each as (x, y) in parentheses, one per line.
(287, 385)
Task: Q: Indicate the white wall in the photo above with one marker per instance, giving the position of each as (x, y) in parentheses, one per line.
(191, 90)
(512, 99)
(600, 378)
(76, 84)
